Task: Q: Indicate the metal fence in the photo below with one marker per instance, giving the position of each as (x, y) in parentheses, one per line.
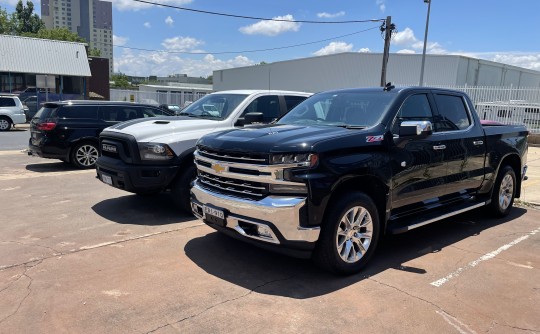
(180, 98)
(508, 105)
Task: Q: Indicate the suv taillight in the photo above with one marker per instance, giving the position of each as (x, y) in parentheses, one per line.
(47, 126)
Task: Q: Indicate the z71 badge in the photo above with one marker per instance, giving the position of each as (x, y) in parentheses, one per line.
(372, 139)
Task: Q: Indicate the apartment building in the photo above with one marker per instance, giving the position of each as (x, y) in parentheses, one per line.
(90, 19)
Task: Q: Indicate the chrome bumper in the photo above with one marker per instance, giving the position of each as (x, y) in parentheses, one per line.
(281, 212)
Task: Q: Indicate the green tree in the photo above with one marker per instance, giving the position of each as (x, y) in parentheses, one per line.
(25, 20)
(120, 81)
(94, 52)
(5, 22)
(59, 34)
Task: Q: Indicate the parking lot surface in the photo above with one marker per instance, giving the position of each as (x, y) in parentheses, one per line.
(77, 256)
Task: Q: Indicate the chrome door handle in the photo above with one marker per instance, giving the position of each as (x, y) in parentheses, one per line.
(439, 147)
(478, 142)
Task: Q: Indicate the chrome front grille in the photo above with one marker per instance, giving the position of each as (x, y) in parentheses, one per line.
(235, 186)
(233, 156)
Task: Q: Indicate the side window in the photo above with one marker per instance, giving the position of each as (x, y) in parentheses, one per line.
(7, 102)
(293, 101)
(150, 112)
(267, 105)
(118, 113)
(415, 108)
(452, 113)
(78, 112)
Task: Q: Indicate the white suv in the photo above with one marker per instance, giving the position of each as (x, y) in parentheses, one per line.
(11, 112)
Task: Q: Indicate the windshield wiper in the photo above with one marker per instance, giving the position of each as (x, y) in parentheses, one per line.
(348, 126)
(186, 114)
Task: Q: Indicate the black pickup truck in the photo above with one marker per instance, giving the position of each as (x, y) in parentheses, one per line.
(344, 167)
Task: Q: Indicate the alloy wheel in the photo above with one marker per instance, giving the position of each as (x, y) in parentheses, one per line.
(86, 155)
(506, 191)
(354, 234)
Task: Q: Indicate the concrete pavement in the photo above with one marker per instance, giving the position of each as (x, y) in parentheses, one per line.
(530, 189)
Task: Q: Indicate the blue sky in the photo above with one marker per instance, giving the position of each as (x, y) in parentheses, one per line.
(499, 30)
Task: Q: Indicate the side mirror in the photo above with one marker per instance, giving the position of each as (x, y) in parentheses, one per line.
(415, 128)
(253, 117)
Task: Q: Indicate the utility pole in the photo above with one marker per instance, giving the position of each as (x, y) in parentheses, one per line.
(425, 43)
(387, 28)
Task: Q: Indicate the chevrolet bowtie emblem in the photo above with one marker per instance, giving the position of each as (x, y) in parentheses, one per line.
(218, 168)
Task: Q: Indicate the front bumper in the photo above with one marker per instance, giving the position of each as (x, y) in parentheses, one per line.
(277, 217)
(134, 178)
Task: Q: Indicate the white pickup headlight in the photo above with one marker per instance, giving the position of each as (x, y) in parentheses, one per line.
(155, 151)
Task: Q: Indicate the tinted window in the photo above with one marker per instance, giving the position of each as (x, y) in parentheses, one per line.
(151, 112)
(7, 102)
(415, 108)
(78, 112)
(44, 113)
(348, 108)
(214, 106)
(452, 113)
(293, 101)
(267, 105)
(119, 113)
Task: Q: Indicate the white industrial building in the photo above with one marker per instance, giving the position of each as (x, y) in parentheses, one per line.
(352, 69)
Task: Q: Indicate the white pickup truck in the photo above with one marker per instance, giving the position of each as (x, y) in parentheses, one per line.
(149, 155)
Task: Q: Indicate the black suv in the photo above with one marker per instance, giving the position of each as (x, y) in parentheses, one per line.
(69, 130)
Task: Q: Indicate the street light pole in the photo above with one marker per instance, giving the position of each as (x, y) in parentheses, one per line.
(425, 43)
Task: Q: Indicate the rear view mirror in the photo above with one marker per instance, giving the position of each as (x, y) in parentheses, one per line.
(415, 128)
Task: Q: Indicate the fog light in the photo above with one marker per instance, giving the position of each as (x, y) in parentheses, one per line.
(264, 231)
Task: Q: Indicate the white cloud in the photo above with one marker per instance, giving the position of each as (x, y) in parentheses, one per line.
(180, 43)
(407, 39)
(169, 21)
(147, 25)
(364, 50)
(119, 41)
(329, 15)
(162, 64)
(271, 28)
(530, 61)
(381, 4)
(334, 47)
(133, 5)
(406, 51)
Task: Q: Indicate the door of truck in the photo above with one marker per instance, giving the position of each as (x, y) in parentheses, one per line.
(418, 169)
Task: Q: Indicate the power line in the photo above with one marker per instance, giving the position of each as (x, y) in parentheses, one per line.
(243, 51)
(254, 17)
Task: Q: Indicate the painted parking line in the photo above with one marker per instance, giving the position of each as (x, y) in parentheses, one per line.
(484, 257)
(31, 175)
(13, 152)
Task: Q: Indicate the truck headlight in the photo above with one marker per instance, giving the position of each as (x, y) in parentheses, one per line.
(303, 159)
(155, 151)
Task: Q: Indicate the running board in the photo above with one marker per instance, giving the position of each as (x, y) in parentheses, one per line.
(412, 223)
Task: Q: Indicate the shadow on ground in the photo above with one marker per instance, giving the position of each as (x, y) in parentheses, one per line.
(48, 167)
(269, 273)
(141, 210)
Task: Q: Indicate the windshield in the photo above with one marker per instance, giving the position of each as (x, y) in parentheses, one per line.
(213, 106)
(346, 109)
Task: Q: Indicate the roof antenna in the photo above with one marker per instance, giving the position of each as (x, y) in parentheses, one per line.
(388, 87)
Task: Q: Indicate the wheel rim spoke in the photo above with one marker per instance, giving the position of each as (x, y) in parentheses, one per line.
(87, 155)
(354, 234)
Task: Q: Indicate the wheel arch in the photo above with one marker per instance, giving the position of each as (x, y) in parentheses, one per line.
(513, 160)
(372, 186)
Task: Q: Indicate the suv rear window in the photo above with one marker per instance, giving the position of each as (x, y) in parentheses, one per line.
(45, 112)
(7, 102)
(78, 112)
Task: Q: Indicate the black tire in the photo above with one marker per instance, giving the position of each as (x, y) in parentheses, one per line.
(84, 155)
(5, 124)
(326, 253)
(181, 186)
(504, 192)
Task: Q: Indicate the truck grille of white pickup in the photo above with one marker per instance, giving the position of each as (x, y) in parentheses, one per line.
(239, 188)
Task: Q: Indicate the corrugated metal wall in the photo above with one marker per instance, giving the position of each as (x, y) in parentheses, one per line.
(364, 70)
(42, 56)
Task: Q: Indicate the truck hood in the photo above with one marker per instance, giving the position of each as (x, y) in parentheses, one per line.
(277, 138)
(165, 129)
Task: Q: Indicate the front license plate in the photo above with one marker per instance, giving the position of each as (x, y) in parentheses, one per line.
(106, 179)
(214, 215)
